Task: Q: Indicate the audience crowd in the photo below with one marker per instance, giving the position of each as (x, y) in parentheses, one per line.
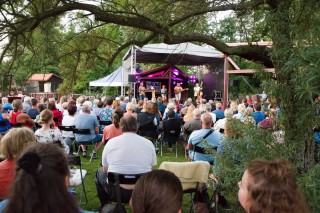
(128, 132)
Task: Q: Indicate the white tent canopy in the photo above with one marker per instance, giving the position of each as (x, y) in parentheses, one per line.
(112, 80)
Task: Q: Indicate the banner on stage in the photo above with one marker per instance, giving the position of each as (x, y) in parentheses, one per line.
(155, 85)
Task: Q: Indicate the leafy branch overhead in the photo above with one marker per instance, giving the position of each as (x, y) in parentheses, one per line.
(166, 19)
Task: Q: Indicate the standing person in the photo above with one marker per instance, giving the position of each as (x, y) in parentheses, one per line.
(142, 91)
(177, 91)
(41, 181)
(164, 91)
(17, 117)
(12, 144)
(34, 110)
(46, 134)
(128, 153)
(202, 138)
(153, 93)
(269, 186)
(197, 90)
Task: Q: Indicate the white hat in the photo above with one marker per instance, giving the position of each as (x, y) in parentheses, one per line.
(89, 103)
(117, 99)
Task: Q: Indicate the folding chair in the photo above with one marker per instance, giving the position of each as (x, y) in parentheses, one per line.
(76, 161)
(193, 176)
(103, 124)
(116, 179)
(68, 129)
(86, 143)
(171, 134)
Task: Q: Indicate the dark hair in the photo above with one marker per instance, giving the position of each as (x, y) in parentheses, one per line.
(273, 188)
(158, 191)
(171, 113)
(52, 106)
(73, 102)
(100, 104)
(128, 123)
(34, 102)
(257, 106)
(72, 109)
(109, 101)
(42, 107)
(39, 185)
(117, 115)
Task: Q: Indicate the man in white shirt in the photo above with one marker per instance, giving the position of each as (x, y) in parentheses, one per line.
(128, 153)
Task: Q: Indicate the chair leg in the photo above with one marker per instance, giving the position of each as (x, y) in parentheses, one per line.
(83, 188)
(176, 149)
(161, 147)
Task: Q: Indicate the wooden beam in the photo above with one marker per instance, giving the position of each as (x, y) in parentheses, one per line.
(233, 63)
(248, 71)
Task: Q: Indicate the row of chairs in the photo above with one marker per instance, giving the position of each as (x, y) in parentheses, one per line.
(193, 177)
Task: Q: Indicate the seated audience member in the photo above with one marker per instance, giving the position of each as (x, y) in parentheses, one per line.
(171, 129)
(171, 106)
(46, 134)
(269, 122)
(240, 114)
(4, 117)
(161, 105)
(57, 115)
(6, 106)
(107, 112)
(188, 116)
(130, 110)
(34, 110)
(26, 104)
(97, 106)
(12, 144)
(41, 181)
(114, 129)
(269, 186)
(192, 125)
(220, 124)
(257, 115)
(147, 123)
(69, 120)
(87, 121)
(128, 153)
(62, 100)
(219, 112)
(248, 119)
(152, 194)
(203, 138)
(17, 117)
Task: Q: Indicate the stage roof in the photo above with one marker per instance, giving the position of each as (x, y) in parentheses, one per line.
(163, 73)
(179, 54)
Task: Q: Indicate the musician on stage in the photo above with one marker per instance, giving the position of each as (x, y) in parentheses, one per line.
(177, 91)
(164, 91)
(197, 90)
(142, 91)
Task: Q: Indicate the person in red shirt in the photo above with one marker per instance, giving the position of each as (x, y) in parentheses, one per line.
(17, 117)
(12, 144)
(57, 115)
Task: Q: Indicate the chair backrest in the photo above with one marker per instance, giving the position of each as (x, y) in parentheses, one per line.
(124, 178)
(82, 131)
(67, 128)
(104, 123)
(191, 174)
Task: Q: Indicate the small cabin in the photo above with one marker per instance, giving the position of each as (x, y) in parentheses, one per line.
(46, 83)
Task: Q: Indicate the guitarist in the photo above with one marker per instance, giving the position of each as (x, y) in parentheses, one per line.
(177, 91)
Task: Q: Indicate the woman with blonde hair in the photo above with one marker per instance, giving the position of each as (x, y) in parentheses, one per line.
(46, 134)
(12, 144)
(270, 186)
(189, 114)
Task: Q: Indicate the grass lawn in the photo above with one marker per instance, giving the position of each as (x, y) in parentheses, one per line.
(93, 201)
